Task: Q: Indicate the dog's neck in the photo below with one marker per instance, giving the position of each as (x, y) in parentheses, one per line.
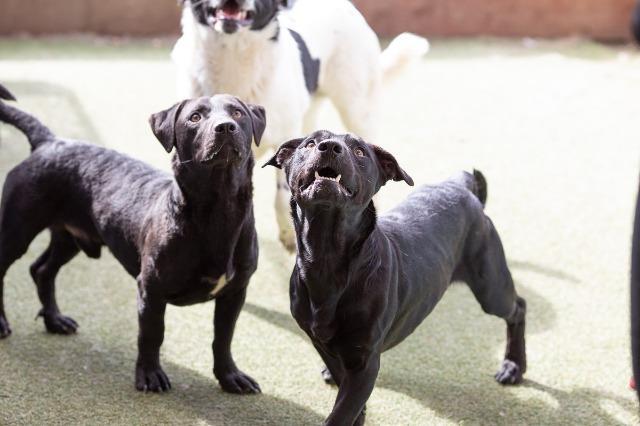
(329, 239)
(207, 191)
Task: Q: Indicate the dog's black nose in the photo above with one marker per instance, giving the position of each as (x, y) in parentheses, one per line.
(330, 146)
(227, 127)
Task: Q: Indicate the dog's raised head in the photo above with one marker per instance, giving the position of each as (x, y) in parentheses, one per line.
(210, 132)
(338, 170)
(231, 16)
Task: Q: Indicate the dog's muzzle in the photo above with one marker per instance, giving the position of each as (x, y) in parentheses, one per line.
(229, 16)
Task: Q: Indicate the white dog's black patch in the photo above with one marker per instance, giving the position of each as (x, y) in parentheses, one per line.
(310, 66)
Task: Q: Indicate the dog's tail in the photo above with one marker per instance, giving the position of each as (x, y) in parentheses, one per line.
(36, 132)
(635, 296)
(403, 50)
(477, 184)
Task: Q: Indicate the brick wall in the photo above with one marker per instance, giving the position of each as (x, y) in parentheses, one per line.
(601, 19)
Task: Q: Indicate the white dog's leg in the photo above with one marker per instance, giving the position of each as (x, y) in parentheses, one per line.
(311, 117)
(359, 114)
(287, 234)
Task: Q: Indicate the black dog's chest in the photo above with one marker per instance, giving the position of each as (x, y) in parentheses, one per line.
(204, 284)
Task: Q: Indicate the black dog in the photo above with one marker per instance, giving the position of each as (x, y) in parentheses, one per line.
(362, 283)
(186, 238)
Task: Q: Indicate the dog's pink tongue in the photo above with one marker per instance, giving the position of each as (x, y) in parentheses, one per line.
(231, 11)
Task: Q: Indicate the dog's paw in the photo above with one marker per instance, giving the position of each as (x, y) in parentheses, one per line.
(5, 330)
(235, 381)
(359, 421)
(510, 373)
(288, 240)
(152, 380)
(58, 323)
(326, 376)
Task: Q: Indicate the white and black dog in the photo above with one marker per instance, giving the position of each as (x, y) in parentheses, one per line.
(287, 59)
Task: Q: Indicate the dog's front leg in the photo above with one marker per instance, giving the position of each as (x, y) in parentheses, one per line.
(226, 314)
(355, 388)
(149, 374)
(333, 371)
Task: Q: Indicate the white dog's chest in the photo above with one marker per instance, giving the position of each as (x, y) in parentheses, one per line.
(257, 71)
(278, 86)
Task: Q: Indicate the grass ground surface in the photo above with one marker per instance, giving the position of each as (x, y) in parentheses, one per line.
(553, 126)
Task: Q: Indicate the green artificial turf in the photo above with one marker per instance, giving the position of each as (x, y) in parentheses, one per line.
(553, 126)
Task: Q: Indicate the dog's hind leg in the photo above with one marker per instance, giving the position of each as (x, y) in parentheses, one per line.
(15, 238)
(5, 330)
(490, 281)
(44, 270)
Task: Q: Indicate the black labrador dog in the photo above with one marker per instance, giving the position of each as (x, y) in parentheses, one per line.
(362, 283)
(186, 238)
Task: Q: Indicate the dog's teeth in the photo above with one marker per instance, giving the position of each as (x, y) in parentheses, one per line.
(338, 178)
(317, 175)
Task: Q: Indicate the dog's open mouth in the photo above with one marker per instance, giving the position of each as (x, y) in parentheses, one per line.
(328, 176)
(328, 173)
(230, 11)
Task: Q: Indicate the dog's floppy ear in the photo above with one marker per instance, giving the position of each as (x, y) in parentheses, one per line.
(284, 153)
(389, 166)
(258, 121)
(163, 125)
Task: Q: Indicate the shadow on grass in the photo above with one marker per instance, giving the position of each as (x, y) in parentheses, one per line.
(98, 384)
(447, 365)
(543, 270)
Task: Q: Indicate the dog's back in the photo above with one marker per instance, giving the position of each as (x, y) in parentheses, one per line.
(449, 206)
(431, 231)
(73, 182)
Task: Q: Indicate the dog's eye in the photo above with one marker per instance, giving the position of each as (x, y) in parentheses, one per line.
(359, 152)
(237, 114)
(195, 117)
(311, 144)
